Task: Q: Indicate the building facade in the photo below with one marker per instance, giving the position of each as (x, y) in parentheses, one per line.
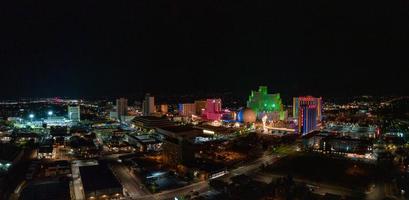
(164, 108)
(265, 104)
(213, 110)
(187, 109)
(122, 107)
(308, 100)
(200, 107)
(74, 113)
(307, 119)
(148, 105)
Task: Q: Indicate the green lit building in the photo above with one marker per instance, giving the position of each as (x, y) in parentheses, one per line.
(264, 103)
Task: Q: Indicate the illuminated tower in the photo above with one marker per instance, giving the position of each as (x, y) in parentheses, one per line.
(307, 119)
(164, 108)
(200, 107)
(266, 104)
(187, 109)
(213, 110)
(308, 100)
(148, 105)
(74, 113)
(122, 107)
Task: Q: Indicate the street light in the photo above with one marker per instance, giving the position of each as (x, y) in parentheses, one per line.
(31, 116)
(50, 113)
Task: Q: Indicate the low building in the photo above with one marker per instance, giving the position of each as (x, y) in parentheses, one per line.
(119, 147)
(24, 137)
(5, 137)
(57, 168)
(84, 147)
(100, 183)
(9, 156)
(45, 151)
(344, 145)
(179, 144)
(60, 134)
(151, 122)
(144, 143)
(335, 143)
(218, 131)
(47, 189)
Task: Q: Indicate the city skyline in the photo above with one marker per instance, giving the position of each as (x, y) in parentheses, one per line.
(204, 100)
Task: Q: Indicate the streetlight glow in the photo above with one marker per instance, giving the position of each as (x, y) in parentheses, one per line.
(50, 113)
(31, 116)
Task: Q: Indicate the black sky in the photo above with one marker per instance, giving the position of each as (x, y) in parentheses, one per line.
(119, 48)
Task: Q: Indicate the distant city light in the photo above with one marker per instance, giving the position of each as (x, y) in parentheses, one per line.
(50, 113)
(31, 116)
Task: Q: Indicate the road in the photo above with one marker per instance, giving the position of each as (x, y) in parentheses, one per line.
(252, 166)
(129, 181)
(76, 184)
(384, 190)
(203, 186)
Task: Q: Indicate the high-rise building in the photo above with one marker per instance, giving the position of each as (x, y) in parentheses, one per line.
(307, 119)
(200, 107)
(308, 100)
(74, 113)
(122, 107)
(148, 105)
(164, 108)
(213, 110)
(265, 104)
(187, 109)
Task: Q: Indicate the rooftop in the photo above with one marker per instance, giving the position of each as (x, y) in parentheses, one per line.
(218, 129)
(180, 129)
(98, 177)
(44, 190)
(8, 152)
(145, 138)
(152, 122)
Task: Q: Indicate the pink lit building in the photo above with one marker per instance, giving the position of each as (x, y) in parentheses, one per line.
(213, 110)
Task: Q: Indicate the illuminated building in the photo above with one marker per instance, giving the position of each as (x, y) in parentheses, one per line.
(45, 151)
(308, 100)
(122, 107)
(307, 119)
(187, 109)
(213, 110)
(74, 113)
(144, 143)
(164, 108)
(179, 145)
(200, 107)
(151, 122)
(61, 121)
(266, 104)
(148, 105)
(113, 115)
(248, 116)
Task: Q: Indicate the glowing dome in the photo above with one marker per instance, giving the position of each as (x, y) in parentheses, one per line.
(249, 116)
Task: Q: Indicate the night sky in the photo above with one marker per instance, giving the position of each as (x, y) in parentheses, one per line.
(121, 48)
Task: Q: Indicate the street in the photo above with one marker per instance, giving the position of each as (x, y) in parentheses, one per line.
(129, 181)
(203, 186)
